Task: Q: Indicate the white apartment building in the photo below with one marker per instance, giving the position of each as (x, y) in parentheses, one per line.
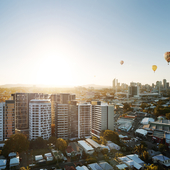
(2, 105)
(102, 118)
(84, 121)
(39, 118)
(61, 118)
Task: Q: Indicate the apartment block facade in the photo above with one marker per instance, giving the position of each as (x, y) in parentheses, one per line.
(9, 119)
(1, 120)
(60, 98)
(61, 124)
(21, 101)
(39, 118)
(102, 118)
(84, 121)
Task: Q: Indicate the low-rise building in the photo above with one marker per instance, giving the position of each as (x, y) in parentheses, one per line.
(86, 147)
(77, 149)
(105, 166)
(162, 160)
(132, 161)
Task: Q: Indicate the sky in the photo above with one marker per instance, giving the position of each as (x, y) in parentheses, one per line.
(79, 42)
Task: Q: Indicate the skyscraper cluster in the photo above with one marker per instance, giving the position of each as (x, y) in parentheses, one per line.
(33, 114)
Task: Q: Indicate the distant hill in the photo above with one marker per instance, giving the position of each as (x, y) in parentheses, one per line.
(15, 85)
(48, 86)
(95, 86)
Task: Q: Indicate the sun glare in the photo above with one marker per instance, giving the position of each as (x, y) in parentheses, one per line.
(54, 71)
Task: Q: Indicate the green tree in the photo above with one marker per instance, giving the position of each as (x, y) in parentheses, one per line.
(61, 144)
(110, 135)
(16, 143)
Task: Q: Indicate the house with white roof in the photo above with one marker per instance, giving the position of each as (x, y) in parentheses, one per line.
(94, 166)
(48, 156)
(146, 120)
(136, 158)
(106, 166)
(38, 157)
(81, 168)
(112, 145)
(2, 163)
(132, 161)
(87, 148)
(14, 162)
(121, 166)
(162, 160)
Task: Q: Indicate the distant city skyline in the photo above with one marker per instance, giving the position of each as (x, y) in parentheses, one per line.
(74, 43)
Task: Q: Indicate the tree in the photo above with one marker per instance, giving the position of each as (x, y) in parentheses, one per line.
(143, 105)
(103, 140)
(52, 139)
(105, 151)
(91, 160)
(162, 147)
(152, 167)
(118, 154)
(23, 168)
(126, 107)
(106, 158)
(110, 135)
(139, 149)
(168, 116)
(96, 139)
(61, 144)
(145, 156)
(16, 143)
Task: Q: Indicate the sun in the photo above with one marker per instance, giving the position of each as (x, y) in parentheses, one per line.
(54, 71)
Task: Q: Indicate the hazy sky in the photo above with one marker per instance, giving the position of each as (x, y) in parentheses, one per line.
(78, 42)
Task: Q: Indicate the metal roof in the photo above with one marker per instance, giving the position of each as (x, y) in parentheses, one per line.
(93, 143)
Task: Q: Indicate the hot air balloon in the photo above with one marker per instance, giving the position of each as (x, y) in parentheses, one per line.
(167, 57)
(121, 62)
(154, 67)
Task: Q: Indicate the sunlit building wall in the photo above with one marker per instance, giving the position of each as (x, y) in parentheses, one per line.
(9, 119)
(61, 120)
(60, 98)
(84, 121)
(39, 118)
(73, 120)
(102, 118)
(1, 120)
(22, 110)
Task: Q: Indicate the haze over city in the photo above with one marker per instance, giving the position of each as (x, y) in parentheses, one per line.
(75, 42)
